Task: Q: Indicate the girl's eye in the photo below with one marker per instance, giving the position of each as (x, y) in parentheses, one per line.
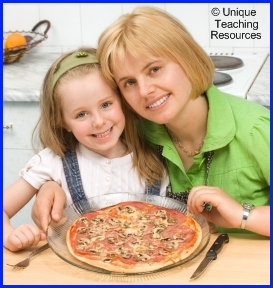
(129, 83)
(105, 105)
(81, 114)
(154, 70)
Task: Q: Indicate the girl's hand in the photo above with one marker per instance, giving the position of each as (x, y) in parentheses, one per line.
(25, 236)
(226, 212)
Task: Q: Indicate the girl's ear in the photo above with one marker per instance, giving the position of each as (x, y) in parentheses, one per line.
(66, 128)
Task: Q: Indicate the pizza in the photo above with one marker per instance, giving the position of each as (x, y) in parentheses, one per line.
(133, 237)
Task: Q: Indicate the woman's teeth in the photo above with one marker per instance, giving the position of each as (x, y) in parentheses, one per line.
(160, 101)
(103, 134)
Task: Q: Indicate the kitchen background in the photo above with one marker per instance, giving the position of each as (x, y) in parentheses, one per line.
(81, 24)
(74, 25)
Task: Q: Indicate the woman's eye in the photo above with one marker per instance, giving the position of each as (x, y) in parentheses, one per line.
(130, 82)
(105, 105)
(154, 70)
(81, 114)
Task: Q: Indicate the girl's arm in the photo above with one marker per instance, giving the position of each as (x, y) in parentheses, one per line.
(16, 196)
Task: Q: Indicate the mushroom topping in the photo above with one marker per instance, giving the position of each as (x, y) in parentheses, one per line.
(92, 233)
(160, 213)
(156, 233)
(111, 240)
(119, 243)
(114, 221)
(160, 223)
(134, 243)
(171, 221)
(163, 252)
(122, 234)
(143, 257)
(144, 218)
(127, 224)
(172, 245)
(84, 241)
(84, 220)
(97, 249)
(142, 227)
(98, 238)
(98, 220)
(81, 230)
(124, 252)
(165, 239)
(138, 233)
(127, 209)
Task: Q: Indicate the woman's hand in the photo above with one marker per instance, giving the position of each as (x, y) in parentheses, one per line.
(226, 212)
(25, 236)
(48, 205)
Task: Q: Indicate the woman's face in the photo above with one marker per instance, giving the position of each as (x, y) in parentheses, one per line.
(156, 88)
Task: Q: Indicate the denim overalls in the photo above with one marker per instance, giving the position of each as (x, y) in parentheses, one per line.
(74, 182)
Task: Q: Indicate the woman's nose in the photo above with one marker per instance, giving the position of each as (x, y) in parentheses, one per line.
(98, 120)
(146, 88)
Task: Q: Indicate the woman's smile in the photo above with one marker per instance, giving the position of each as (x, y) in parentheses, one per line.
(158, 102)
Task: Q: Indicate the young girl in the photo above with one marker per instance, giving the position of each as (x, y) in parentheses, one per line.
(86, 149)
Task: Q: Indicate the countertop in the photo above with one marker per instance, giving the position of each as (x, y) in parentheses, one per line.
(244, 260)
(23, 79)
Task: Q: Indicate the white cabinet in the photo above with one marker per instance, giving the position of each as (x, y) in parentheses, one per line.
(23, 117)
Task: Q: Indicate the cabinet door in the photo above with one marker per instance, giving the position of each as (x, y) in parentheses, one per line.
(23, 117)
(14, 161)
(17, 147)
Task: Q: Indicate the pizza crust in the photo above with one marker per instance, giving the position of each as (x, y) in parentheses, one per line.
(117, 263)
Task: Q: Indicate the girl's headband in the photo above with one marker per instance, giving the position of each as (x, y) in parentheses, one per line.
(71, 61)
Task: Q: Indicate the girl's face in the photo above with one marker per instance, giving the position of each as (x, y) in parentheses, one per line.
(156, 88)
(92, 112)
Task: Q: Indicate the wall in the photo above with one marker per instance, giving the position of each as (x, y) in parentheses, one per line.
(73, 25)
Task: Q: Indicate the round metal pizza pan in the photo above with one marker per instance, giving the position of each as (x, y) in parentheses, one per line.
(56, 232)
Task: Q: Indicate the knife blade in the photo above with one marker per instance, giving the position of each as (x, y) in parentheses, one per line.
(211, 255)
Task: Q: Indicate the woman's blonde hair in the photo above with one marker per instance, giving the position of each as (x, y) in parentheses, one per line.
(151, 31)
(51, 132)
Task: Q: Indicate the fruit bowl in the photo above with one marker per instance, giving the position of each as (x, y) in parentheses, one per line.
(32, 38)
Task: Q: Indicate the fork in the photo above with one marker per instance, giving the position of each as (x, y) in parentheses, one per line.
(23, 264)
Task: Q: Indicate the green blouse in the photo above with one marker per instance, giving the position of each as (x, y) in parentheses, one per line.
(238, 133)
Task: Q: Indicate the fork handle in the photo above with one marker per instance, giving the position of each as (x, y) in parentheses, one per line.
(36, 251)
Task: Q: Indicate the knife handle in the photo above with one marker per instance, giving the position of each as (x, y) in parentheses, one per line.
(217, 246)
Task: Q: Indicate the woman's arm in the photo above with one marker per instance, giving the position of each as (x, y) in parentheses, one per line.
(16, 196)
(49, 204)
(227, 212)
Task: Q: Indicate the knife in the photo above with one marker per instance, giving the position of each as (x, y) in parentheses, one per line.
(211, 255)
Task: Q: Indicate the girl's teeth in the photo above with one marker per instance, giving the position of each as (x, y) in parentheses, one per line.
(159, 102)
(103, 134)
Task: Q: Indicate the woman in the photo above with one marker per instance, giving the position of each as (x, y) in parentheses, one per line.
(216, 146)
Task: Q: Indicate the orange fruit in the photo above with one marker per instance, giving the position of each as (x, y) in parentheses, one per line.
(15, 39)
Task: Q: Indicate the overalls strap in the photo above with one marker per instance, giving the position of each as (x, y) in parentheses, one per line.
(74, 182)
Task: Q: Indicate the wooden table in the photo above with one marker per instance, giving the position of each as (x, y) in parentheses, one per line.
(244, 260)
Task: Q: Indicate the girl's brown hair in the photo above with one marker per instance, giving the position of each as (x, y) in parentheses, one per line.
(52, 134)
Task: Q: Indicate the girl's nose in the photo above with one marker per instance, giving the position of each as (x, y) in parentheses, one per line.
(98, 121)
